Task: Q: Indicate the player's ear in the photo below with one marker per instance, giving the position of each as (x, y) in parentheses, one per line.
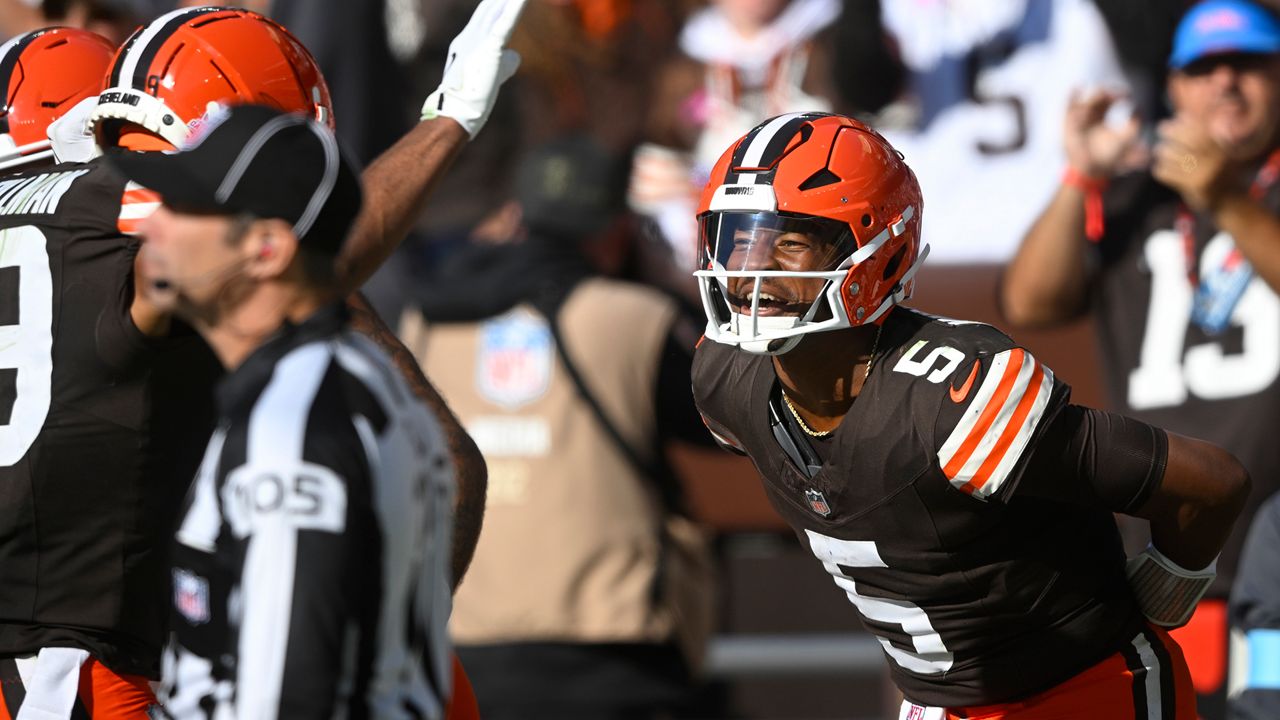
(270, 248)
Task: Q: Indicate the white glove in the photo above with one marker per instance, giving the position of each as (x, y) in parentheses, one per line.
(70, 134)
(478, 64)
(1166, 593)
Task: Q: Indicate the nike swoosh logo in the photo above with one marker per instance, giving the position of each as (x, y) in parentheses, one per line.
(958, 396)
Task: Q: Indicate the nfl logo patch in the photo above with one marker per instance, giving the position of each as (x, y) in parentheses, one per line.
(513, 365)
(817, 502)
(191, 596)
(911, 711)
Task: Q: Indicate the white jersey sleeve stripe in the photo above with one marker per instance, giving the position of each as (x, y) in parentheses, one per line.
(951, 450)
(137, 210)
(991, 435)
(1007, 458)
(983, 449)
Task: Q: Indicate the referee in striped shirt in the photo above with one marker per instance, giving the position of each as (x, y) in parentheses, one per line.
(310, 568)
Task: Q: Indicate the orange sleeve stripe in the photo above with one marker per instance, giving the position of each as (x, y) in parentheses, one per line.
(136, 204)
(1011, 430)
(140, 195)
(989, 413)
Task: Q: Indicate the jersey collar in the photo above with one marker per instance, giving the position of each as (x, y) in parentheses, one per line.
(238, 390)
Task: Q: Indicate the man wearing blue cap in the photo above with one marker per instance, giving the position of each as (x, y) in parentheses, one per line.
(1179, 261)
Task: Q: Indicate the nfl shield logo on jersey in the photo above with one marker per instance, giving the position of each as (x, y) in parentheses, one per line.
(911, 711)
(191, 596)
(515, 358)
(817, 502)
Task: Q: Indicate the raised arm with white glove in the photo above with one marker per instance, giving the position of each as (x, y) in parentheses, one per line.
(479, 62)
(398, 182)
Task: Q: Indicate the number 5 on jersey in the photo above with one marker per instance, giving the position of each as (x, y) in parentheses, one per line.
(929, 655)
(911, 366)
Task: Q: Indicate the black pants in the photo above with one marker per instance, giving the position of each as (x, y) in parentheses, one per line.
(542, 681)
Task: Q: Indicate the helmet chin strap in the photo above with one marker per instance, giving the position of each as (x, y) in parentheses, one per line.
(770, 346)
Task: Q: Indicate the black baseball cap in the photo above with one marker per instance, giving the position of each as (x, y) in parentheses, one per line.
(258, 160)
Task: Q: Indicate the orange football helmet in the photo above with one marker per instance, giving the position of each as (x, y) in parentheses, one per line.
(173, 72)
(810, 197)
(44, 73)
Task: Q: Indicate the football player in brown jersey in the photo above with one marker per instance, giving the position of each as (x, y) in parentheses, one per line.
(936, 469)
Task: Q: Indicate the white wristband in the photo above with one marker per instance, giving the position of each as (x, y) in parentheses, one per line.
(1166, 592)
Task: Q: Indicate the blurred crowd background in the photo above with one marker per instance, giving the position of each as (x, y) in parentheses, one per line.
(642, 96)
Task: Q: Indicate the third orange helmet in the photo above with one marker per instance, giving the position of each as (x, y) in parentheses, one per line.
(44, 73)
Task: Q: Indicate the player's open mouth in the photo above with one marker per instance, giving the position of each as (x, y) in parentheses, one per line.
(770, 304)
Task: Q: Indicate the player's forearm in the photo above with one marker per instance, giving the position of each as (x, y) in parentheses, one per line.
(396, 187)
(1256, 231)
(397, 184)
(149, 319)
(1193, 511)
(1046, 282)
(471, 472)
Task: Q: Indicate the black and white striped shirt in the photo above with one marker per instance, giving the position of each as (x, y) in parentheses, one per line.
(310, 569)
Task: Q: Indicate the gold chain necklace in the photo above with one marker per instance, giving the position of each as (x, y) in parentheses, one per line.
(875, 345)
(803, 425)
